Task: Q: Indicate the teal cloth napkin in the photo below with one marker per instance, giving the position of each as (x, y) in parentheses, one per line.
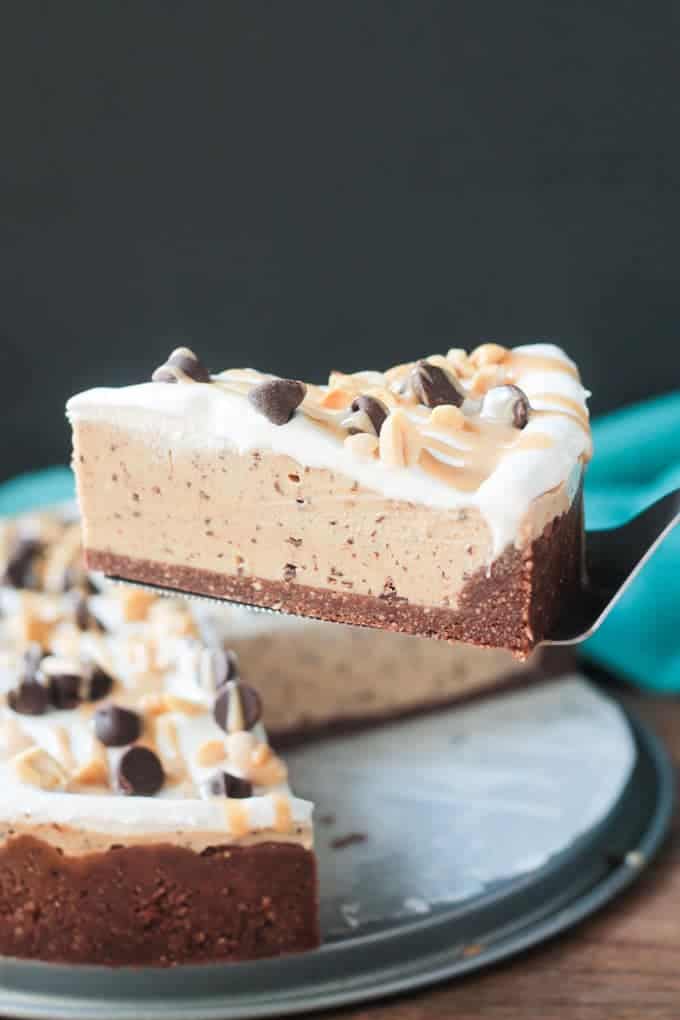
(637, 460)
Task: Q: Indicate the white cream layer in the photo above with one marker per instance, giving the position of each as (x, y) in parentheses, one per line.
(169, 811)
(197, 416)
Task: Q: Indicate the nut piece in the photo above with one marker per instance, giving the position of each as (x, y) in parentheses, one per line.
(12, 738)
(32, 628)
(336, 399)
(183, 705)
(136, 604)
(484, 378)
(488, 354)
(460, 362)
(239, 747)
(447, 416)
(211, 752)
(38, 768)
(171, 620)
(507, 405)
(94, 772)
(266, 768)
(400, 442)
(362, 445)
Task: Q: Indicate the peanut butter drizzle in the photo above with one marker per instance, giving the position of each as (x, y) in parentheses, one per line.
(283, 816)
(571, 406)
(464, 478)
(516, 364)
(532, 441)
(238, 822)
(479, 445)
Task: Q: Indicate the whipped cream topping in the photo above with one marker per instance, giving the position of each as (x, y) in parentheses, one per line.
(156, 658)
(467, 460)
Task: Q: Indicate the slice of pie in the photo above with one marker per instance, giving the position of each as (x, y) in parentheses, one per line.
(439, 498)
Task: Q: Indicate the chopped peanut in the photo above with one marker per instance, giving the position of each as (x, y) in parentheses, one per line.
(362, 445)
(448, 417)
(336, 399)
(484, 379)
(488, 354)
(94, 772)
(400, 442)
(239, 747)
(36, 767)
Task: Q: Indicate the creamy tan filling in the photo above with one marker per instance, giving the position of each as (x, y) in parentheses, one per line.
(264, 515)
(310, 673)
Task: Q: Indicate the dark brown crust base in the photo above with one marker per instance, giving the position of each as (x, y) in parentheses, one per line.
(156, 905)
(513, 605)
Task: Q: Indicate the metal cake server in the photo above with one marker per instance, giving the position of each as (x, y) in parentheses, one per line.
(614, 557)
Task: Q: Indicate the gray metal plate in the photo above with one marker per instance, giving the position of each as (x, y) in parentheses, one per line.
(488, 829)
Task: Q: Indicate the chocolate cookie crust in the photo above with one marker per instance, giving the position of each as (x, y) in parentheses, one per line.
(156, 905)
(512, 605)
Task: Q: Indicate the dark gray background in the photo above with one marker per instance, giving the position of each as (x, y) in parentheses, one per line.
(302, 186)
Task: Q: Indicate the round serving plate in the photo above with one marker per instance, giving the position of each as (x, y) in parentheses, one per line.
(445, 843)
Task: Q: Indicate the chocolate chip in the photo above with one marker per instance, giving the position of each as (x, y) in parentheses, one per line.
(182, 364)
(506, 404)
(277, 399)
(20, 568)
(224, 784)
(433, 386)
(29, 698)
(373, 409)
(99, 684)
(237, 707)
(140, 772)
(65, 690)
(116, 726)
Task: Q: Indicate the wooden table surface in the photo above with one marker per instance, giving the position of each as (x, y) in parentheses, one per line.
(622, 964)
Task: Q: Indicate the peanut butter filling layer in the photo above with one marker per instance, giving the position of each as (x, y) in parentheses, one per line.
(266, 516)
